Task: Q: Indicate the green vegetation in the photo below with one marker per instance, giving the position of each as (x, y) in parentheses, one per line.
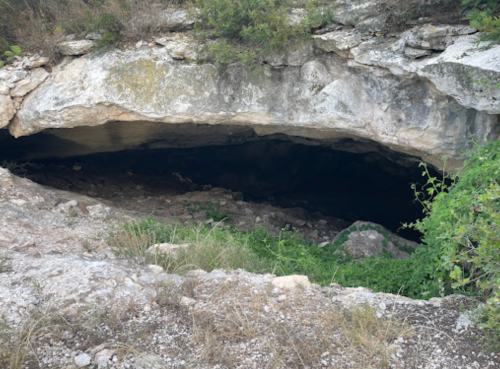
(260, 252)
(462, 232)
(249, 30)
(8, 53)
(484, 15)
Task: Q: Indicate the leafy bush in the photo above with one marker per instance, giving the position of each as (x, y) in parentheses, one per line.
(462, 230)
(484, 15)
(260, 24)
(8, 53)
(250, 30)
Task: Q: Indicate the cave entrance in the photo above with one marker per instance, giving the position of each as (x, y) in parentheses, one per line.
(368, 186)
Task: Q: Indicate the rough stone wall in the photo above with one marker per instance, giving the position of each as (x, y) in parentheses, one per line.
(413, 92)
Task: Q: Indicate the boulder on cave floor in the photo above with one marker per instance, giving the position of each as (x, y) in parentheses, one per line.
(367, 239)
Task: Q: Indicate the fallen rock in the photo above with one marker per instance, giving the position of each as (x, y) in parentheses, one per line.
(367, 239)
(82, 360)
(99, 211)
(179, 48)
(73, 48)
(104, 358)
(291, 281)
(168, 249)
(35, 61)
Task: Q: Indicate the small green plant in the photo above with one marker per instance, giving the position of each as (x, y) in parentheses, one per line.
(9, 53)
(106, 25)
(484, 15)
(212, 211)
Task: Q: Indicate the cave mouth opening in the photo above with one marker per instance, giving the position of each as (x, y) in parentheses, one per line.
(366, 186)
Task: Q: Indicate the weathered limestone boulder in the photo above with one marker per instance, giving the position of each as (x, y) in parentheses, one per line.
(436, 37)
(455, 70)
(162, 21)
(367, 239)
(16, 81)
(412, 53)
(373, 15)
(29, 83)
(180, 48)
(72, 48)
(339, 42)
(167, 249)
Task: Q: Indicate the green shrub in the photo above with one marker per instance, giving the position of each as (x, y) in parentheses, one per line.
(8, 53)
(462, 230)
(249, 30)
(484, 15)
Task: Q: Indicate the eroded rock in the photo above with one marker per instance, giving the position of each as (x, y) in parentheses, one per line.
(73, 48)
(29, 83)
(367, 239)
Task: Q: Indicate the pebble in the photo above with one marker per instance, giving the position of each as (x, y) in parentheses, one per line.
(82, 360)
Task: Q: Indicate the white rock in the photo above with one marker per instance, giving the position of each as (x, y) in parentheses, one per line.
(169, 249)
(195, 273)
(339, 42)
(80, 47)
(455, 70)
(99, 211)
(28, 84)
(291, 281)
(82, 360)
(104, 358)
(187, 301)
(156, 269)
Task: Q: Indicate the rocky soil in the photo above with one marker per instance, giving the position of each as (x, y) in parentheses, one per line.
(67, 302)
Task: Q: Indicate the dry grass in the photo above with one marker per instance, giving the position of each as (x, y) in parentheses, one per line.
(209, 250)
(361, 334)
(371, 337)
(401, 12)
(131, 242)
(37, 25)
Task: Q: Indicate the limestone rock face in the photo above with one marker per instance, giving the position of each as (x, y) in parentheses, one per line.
(373, 15)
(455, 70)
(7, 110)
(339, 42)
(325, 98)
(29, 83)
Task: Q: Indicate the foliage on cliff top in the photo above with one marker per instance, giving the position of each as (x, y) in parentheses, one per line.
(484, 15)
(249, 30)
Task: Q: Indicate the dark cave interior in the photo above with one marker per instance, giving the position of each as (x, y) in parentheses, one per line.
(367, 186)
